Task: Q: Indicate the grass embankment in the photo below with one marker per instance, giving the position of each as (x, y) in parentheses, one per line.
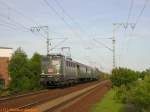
(108, 104)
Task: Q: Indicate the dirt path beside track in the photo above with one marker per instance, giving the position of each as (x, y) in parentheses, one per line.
(85, 103)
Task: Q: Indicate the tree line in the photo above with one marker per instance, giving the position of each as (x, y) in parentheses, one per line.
(132, 89)
(24, 72)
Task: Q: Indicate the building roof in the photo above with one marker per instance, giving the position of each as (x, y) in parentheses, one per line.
(5, 48)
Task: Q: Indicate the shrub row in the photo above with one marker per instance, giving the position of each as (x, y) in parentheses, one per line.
(132, 89)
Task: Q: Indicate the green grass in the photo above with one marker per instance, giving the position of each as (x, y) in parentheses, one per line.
(107, 104)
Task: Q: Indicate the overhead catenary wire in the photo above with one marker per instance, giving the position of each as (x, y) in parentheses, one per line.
(71, 18)
(126, 25)
(24, 16)
(21, 14)
(62, 18)
(130, 11)
(60, 43)
(56, 12)
(68, 15)
(7, 26)
(102, 44)
(134, 25)
(21, 25)
(141, 12)
(18, 12)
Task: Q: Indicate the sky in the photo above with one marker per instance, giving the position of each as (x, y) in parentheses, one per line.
(86, 26)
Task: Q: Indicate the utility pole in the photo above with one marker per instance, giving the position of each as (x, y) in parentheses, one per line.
(46, 31)
(115, 26)
(113, 43)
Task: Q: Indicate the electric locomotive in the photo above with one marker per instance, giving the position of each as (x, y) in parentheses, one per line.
(57, 70)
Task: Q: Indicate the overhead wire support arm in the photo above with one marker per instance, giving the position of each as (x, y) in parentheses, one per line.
(46, 31)
(115, 27)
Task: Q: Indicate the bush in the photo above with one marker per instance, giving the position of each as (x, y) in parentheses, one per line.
(145, 73)
(136, 97)
(123, 76)
(121, 94)
(130, 91)
(139, 95)
(103, 75)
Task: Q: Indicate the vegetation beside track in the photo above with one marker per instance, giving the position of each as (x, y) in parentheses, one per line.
(24, 72)
(132, 88)
(108, 104)
(130, 92)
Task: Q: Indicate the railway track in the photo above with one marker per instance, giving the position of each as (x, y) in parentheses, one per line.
(58, 104)
(50, 100)
(5, 98)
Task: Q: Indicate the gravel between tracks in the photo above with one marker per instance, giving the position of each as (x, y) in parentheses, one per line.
(85, 103)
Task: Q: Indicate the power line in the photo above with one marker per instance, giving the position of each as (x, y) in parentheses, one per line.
(55, 11)
(21, 14)
(18, 12)
(65, 13)
(130, 10)
(138, 17)
(7, 26)
(15, 22)
(102, 44)
(60, 43)
(71, 18)
(127, 22)
(141, 12)
(63, 19)
(21, 25)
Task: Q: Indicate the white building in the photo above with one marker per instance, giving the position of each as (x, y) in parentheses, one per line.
(5, 52)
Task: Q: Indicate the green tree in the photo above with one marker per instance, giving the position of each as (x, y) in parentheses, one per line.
(24, 72)
(144, 73)
(123, 76)
(35, 67)
(19, 71)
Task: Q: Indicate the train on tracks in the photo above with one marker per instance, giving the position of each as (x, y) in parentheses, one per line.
(57, 70)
